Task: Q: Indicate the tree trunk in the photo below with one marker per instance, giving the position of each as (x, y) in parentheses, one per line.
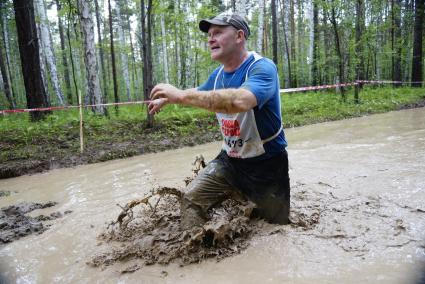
(28, 49)
(147, 54)
(293, 42)
(240, 8)
(123, 54)
(260, 26)
(64, 58)
(48, 50)
(311, 38)
(102, 59)
(417, 71)
(5, 34)
(114, 68)
(6, 80)
(90, 60)
(360, 24)
(135, 75)
(164, 49)
(396, 41)
(338, 50)
(285, 39)
(177, 40)
(315, 57)
(274, 31)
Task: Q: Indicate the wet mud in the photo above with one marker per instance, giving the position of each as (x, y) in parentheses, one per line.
(15, 222)
(149, 229)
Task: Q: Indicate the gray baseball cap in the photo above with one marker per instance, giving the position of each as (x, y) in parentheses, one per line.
(226, 19)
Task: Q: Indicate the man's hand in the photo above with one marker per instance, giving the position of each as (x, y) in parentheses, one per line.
(163, 94)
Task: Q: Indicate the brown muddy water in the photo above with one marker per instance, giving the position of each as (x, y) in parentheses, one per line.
(358, 185)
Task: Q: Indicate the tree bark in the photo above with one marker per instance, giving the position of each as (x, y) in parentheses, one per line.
(123, 55)
(396, 42)
(114, 68)
(274, 31)
(360, 24)
(164, 49)
(5, 78)
(260, 26)
(64, 58)
(293, 43)
(417, 72)
(29, 51)
(101, 55)
(5, 34)
(338, 49)
(48, 50)
(90, 60)
(147, 54)
(315, 73)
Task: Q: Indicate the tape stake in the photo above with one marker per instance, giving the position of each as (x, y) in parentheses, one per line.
(81, 122)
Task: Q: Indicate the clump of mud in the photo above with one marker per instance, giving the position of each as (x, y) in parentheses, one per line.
(154, 235)
(15, 223)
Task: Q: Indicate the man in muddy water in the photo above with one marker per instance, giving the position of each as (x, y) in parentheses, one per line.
(244, 94)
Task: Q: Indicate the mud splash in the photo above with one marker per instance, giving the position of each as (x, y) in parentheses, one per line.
(15, 223)
(153, 233)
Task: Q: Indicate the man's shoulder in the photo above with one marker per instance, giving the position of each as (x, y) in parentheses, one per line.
(263, 64)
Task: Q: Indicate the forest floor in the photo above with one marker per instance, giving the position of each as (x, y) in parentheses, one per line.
(121, 139)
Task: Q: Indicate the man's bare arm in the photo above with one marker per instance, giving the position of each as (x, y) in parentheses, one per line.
(223, 100)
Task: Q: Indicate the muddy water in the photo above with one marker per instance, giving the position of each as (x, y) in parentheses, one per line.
(361, 183)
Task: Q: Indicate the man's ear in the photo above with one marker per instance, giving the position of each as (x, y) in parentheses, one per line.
(241, 35)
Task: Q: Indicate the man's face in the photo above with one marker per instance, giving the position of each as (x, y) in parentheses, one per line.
(222, 42)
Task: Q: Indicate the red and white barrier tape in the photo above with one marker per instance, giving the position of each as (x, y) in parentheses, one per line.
(289, 90)
(68, 107)
(312, 88)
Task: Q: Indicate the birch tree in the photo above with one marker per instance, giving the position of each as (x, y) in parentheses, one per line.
(101, 56)
(48, 50)
(260, 26)
(63, 50)
(5, 78)
(7, 58)
(164, 49)
(87, 27)
(123, 54)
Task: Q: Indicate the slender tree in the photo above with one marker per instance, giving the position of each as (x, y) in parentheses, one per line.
(395, 41)
(64, 57)
(122, 52)
(417, 72)
(315, 73)
(5, 34)
(274, 30)
(29, 51)
(114, 68)
(260, 26)
(146, 18)
(5, 78)
(359, 46)
(101, 56)
(45, 43)
(93, 86)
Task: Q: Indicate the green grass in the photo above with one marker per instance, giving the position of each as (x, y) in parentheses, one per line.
(306, 108)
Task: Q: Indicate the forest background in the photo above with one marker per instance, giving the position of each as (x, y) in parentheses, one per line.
(115, 51)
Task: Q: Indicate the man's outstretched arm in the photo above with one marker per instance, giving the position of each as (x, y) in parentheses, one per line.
(222, 101)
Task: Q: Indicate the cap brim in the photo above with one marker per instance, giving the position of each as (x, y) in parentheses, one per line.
(204, 25)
